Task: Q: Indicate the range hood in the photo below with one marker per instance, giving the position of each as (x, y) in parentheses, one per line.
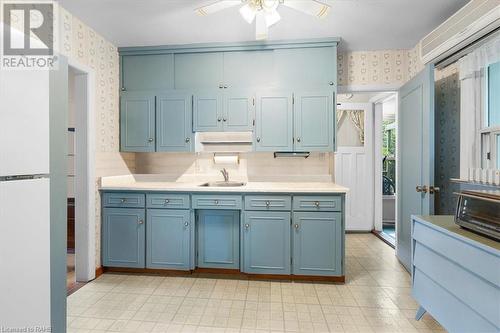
(220, 142)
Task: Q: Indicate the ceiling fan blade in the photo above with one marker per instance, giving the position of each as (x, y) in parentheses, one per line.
(248, 12)
(217, 6)
(311, 7)
(260, 26)
(272, 18)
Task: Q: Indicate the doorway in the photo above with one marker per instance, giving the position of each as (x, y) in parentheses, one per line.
(81, 178)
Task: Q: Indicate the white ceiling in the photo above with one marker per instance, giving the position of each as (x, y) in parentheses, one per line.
(362, 24)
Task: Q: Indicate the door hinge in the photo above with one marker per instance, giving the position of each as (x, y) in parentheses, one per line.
(293, 99)
(253, 122)
(253, 101)
(488, 156)
(291, 260)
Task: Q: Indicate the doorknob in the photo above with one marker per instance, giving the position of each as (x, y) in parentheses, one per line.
(434, 189)
(421, 189)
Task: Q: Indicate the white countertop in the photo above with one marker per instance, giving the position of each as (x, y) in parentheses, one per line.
(134, 183)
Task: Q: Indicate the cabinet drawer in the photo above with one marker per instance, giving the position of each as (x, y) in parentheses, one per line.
(217, 201)
(267, 202)
(317, 203)
(176, 201)
(128, 200)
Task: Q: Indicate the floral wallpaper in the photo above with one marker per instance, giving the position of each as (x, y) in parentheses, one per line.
(376, 68)
(447, 137)
(81, 44)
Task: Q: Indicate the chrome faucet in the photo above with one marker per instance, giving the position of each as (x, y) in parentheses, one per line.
(225, 174)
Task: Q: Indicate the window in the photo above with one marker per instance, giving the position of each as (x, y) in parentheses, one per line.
(490, 132)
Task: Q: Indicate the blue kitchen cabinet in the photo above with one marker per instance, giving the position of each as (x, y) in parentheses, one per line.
(306, 67)
(174, 122)
(248, 69)
(168, 239)
(314, 120)
(198, 70)
(123, 237)
(274, 121)
(238, 110)
(317, 243)
(218, 233)
(266, 242)
(137, 122)
(147, 72)
(207, 111)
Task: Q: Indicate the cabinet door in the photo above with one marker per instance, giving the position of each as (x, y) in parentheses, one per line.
(314, 117)
(168, 239)
(207, 111)
(317, 243)
(266, 242)
(123, 237)
(198, 70)
(147, 72)
(245, 69)
(238, 110)
(137, 122)
(306, 67)
(173, 122)
(218, 239)
(273, 122)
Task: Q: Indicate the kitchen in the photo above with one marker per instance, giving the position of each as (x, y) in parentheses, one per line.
(204, 168)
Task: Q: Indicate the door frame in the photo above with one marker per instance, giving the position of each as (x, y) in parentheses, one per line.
(85, 192)
(377, 146)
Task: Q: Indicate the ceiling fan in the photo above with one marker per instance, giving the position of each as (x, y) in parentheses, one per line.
(265, 12)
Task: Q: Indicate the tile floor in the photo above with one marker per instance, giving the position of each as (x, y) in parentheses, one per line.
(375, 298)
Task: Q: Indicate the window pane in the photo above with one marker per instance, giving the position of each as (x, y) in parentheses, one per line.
(494, 94)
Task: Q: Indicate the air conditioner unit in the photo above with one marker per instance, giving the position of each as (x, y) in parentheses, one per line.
(473, 21)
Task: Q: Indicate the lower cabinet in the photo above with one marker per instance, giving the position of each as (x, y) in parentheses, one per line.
(123, 237)
(168, 239)
(218, 239)
(266, 242)
(317, 243)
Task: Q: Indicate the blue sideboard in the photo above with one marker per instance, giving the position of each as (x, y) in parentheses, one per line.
(455, 275)
(296, 235)
(284, 92)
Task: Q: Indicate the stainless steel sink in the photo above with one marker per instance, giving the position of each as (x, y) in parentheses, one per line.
(223, 184)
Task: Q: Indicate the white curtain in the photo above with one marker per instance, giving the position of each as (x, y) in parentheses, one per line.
(472, 69)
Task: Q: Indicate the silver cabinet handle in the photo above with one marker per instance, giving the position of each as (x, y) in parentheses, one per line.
(224, 119)
(258, 139)
(268, 203)
(221, 86)
(219, 119)
(167, 201)
(186, 224)
(123, 89)
(247, 226)
(216, 202)
(140, 222)
(187, 140)
(316, 203)
(296, 226)
(298, 139)
(150, 140)
(421, 189)
(225, 86)
(123, 200)
(330, 83)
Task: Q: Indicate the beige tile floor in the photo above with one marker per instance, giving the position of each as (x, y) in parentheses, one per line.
(375, 298)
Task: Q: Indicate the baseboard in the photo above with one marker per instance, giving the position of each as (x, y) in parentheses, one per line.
(99, 271)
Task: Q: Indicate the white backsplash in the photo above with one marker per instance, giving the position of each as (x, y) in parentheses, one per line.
(252, 167)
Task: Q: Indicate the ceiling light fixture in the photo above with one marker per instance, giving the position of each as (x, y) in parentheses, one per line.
(265, 12)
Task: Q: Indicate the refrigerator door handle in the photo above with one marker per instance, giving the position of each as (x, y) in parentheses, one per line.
(23, 177)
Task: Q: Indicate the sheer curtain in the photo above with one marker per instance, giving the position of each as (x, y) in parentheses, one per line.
(472, 98)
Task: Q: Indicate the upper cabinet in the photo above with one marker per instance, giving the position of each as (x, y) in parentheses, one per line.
(306, 67)
(147, 72)
(284, 91)
(198, 70)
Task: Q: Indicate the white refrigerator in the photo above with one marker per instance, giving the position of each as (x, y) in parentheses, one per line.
(24, 199)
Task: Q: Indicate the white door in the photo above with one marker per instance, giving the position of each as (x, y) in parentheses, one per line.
(354, 166)
(415, 160)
